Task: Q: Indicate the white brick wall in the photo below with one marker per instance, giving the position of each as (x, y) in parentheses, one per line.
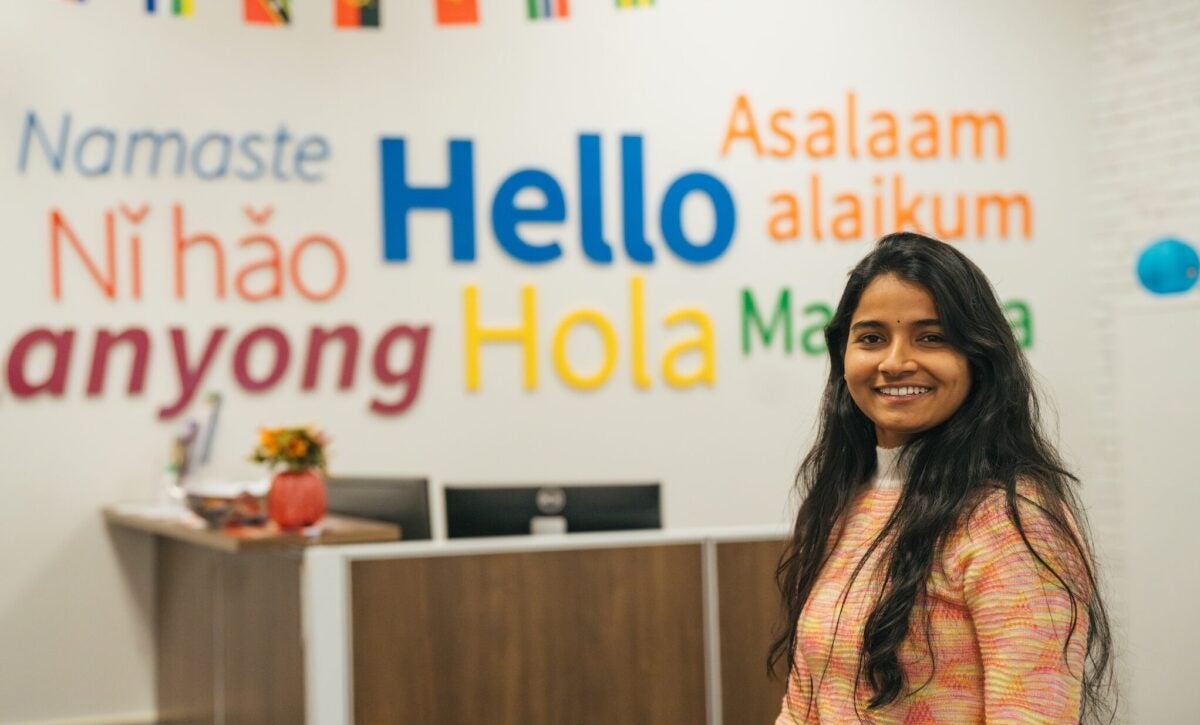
(1144, 163)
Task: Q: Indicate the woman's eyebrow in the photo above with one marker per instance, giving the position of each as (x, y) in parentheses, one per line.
(867, 325)
(877, 325)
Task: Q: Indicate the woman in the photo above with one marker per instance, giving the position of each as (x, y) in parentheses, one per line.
(938, 571)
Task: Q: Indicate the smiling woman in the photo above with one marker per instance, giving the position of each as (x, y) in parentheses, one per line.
(939, 570)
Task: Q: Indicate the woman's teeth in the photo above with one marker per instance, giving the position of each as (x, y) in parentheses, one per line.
(906, 390)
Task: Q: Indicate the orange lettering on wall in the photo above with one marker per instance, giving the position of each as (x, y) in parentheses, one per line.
(906, 210)
(924, 143)
(1003, 203)
(822, 139)
(273, 263)
(940, 228)
(339, 260)
(884, 142)
(814, 205)
(182, 243)
(107, 283)
(747, 130)
(785, 222)
(783, 133)
(852, 124)
(847, 222)
(976, 123)
(877, 205)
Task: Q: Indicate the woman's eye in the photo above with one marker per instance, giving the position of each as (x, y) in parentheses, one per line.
(933, 337)
(870, 338)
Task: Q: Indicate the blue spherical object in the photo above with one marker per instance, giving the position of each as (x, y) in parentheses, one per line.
(1168, 266)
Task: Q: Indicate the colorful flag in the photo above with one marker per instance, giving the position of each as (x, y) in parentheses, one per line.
(268, 12)
(547, 9)
(356, 13)
(451, 12)
(634, 3)
(183, 8)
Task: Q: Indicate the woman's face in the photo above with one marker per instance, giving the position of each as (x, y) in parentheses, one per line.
(900, 370)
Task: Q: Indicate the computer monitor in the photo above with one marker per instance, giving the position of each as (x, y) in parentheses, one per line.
(403, 501)
(514, 510)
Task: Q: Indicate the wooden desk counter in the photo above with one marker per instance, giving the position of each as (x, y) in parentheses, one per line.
(228, 613)
(334, 529)
(664, 627)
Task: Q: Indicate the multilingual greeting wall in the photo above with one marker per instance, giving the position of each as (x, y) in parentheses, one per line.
(483, 241)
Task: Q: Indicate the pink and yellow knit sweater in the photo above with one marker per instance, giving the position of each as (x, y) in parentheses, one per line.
(998, 624)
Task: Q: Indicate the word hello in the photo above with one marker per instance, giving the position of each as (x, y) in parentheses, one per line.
(508, 217)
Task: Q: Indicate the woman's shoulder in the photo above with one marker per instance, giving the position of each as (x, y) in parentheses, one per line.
(1017, 526)
(993, 503)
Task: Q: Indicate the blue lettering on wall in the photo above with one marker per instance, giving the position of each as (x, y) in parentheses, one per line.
(506, 215)
(94, 152)
(457, 198)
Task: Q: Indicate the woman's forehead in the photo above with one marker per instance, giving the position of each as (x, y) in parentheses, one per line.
(890, 300)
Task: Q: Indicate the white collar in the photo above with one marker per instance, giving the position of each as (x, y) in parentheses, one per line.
(889, 473)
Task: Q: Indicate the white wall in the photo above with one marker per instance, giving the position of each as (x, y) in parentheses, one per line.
(1143, 182)
(74, 599)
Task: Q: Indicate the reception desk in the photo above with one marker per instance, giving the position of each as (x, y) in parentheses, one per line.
(655, 627)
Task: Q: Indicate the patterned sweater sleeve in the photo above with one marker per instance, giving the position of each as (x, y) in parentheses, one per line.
(1032, 641)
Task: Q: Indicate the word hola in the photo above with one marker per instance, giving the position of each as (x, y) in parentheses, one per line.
(702, 345)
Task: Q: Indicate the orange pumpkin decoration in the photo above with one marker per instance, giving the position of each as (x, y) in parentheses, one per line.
(297, 498)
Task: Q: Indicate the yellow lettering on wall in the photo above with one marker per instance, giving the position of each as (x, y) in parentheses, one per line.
(607, 333)
(704, 343)
(637, 315)
(525, 333)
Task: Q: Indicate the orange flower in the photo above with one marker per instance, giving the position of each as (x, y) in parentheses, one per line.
(297, 447)
(268, 442)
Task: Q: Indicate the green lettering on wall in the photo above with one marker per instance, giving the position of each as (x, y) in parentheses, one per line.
(812, 338)
(1020, 316)
(781, 317)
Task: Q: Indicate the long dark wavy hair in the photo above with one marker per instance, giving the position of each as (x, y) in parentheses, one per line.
(993, 440)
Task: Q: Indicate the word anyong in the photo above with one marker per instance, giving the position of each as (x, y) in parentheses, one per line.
(261, 359)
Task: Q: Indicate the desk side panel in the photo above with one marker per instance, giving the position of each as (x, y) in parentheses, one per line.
(749, 607)
(531, 638)
(263, 651)
(187, 579)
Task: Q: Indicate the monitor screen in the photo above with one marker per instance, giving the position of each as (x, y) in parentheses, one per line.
(403, 501)
(513, 510)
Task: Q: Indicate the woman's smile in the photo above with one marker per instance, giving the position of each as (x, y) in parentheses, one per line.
(903, 393)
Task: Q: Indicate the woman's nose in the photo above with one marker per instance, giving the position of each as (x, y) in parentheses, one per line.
(898, 359)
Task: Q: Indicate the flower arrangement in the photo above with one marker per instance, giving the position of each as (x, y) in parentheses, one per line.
(298, 448)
